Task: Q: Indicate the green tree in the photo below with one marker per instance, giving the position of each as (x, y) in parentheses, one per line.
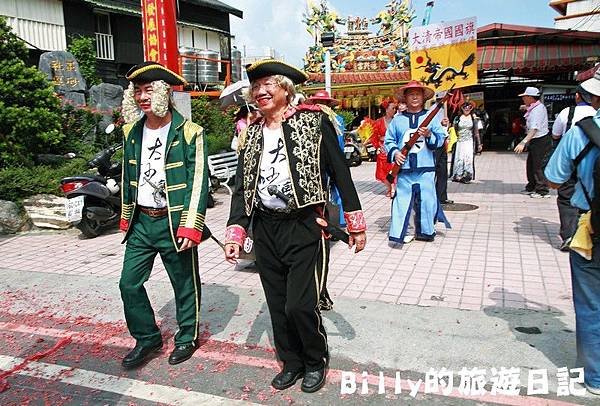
(218, 125)
(84, 50)
(30, 118)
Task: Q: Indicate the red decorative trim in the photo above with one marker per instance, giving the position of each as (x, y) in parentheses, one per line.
(363, 77)
(124, 225)
(235, 234)
(356, 221)
(310, 107)
(289, 112)
(191, 233)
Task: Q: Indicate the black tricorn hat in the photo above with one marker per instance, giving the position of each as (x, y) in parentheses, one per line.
(150, 71)
(270, 67)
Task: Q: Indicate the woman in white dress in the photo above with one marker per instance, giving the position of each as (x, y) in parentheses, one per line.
(467, 127)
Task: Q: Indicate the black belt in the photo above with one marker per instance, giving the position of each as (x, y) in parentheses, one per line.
(283, 214)
(154, 212)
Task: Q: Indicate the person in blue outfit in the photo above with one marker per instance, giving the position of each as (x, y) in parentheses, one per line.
(585, 272)
(416, 181)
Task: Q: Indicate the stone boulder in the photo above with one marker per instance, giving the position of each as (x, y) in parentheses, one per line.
(47, 211)
(11, 220)
(62, 68)
(105, 98)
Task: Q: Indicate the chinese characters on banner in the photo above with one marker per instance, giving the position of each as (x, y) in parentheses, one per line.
(160, 32)
(444, 54)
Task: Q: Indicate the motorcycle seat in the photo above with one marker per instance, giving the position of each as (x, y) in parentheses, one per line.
(90, 178)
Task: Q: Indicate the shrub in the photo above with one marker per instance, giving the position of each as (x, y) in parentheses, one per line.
(347, 115)
(84, 50)
(29, 111)
(18, 183)
(79, 125)
(218, 125)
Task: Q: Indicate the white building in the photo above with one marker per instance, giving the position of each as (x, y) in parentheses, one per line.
(39, 22)
(579, 15)
(253, 54)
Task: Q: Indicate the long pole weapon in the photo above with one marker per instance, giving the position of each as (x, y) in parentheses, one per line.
(391, 176)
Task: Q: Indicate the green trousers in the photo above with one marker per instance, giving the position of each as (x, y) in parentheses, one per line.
(148, 237)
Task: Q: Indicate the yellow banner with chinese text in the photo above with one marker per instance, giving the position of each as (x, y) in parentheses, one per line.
(440, 68)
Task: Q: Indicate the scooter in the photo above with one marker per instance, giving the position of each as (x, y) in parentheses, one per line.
(94, 201)
(352, 149)
(371, 152)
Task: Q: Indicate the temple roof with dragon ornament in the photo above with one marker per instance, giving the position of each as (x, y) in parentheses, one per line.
(361, 55)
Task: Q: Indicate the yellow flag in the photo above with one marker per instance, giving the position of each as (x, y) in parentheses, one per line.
(444, 54)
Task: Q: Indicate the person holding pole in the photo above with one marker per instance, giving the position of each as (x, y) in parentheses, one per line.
(415, 189)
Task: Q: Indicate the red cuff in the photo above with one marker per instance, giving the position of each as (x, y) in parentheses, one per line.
(356, 221)
(235, 234)
(124, 225)
(191, 233)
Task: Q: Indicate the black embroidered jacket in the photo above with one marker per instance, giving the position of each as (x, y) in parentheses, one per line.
(313, 155)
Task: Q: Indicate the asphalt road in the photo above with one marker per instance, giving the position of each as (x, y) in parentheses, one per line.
(235, 363)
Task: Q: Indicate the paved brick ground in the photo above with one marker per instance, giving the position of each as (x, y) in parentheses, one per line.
(503, 254)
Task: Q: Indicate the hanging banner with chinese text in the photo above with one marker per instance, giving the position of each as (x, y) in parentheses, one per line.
(160, 32)
(444, 54)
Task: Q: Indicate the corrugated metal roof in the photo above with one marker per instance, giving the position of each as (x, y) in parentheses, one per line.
(129, 8)
(135, 8)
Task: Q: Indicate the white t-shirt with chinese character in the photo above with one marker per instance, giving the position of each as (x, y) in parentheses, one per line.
(274, 169)
(151, 184)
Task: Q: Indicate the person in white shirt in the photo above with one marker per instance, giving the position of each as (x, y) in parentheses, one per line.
(564, 121)
(538, 141)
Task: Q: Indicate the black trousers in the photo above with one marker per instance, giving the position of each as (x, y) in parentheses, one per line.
(291, 257)
(441, 174)
(539, 148)
(568, 214)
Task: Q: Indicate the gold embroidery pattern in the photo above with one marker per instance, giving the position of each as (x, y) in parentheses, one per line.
(252, 155)
(306, 138)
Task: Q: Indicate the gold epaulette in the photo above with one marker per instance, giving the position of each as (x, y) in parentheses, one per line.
(191, 129)
(127, 129)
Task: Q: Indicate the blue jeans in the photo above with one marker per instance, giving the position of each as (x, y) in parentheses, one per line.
(585, 277)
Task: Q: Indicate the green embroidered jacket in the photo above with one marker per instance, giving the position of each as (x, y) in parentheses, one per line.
(186, 176)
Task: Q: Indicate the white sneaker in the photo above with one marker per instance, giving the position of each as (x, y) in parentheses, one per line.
(594, 391)
(525, 192)
(536, 195)
(408, 238)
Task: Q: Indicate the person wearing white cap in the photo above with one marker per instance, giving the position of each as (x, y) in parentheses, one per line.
(576, 157)
(538, 141)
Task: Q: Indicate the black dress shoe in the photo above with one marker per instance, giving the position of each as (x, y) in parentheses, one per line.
(285, 379)
(182, 353)
(314, 380)
(426, 238)
(139, 355)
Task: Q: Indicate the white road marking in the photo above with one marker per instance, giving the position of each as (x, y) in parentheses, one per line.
(115, 384)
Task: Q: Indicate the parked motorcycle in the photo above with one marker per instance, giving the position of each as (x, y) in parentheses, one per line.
(371, 152)
(94, 201)
(352, 149)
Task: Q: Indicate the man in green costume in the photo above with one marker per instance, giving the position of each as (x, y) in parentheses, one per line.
(164, 195)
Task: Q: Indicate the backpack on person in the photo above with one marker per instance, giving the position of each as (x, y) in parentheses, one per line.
(592, 131)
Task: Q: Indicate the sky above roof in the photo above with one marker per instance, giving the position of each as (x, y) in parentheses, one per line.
(278, 24)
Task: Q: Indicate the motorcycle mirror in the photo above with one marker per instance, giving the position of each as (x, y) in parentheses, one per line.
(109, 128)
